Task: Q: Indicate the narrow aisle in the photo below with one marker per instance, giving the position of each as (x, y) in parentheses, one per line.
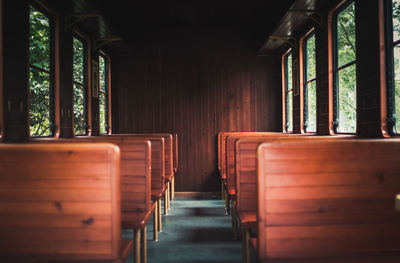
(195, 230)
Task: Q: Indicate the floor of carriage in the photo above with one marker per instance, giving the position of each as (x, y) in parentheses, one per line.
(195, 230)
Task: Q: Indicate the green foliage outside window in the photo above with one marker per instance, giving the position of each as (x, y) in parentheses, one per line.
(103, 95)
(396, 62)
(310, 82)
(79, 86)
(289, 92)
(346, 69)
(39, 74)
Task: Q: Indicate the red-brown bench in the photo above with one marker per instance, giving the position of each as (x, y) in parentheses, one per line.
(330, 201)
(169, 172)
(61, 203)
(136, 205)
(245, 207)
(228, 160)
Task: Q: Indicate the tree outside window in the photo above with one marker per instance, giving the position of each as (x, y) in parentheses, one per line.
(345, 70)
(80, 86)
(288, 75)
(394, 95)
(103, 94)
(310, 92)
(41, 104)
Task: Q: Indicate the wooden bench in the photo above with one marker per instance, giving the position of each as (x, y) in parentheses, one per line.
(245, 206)
(169, 171)
(61, 202)
(228, 160)
(136, 205)
(330, 201)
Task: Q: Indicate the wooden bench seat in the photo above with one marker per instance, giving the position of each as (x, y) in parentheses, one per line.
(226, 156)
(246, 180)
(168, 157)
(61, 203)
(328, 201)
(135, 183)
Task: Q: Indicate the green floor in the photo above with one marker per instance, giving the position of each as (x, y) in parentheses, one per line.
(195, 230)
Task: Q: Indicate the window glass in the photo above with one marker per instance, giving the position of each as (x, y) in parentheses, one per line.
(396, 62)
(40, 75)
(310, 92)
(103, 94)
(289, 93)
(345, 79)
(80, 87)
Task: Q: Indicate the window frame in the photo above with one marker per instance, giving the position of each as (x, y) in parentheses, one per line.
(108, 120)
(333, 69)
(86, 45)
(304, 82)
(54, 89)
(285, 91)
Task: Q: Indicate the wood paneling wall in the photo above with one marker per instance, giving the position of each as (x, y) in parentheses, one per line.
(195, 83)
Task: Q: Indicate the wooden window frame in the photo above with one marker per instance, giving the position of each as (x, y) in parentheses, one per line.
(107, 59)
(284, 91)
(332, 60)
(86, 43)
(303, 80)
(54, 69)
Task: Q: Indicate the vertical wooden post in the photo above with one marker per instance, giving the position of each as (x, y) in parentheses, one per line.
(166, 201)
(155, 223)
(245, 245)
(222, 190)
(159, 215)
(173, 188)
(143, 251)
(136, 238)
(227, 210)
(169, 195)
(234, 224)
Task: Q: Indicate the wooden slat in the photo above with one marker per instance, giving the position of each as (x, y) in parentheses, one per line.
(78, 218)
(328, 198)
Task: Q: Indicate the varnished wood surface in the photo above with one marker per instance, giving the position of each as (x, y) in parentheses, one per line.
(60, 201)
(168, 147)
(328, 199)
(135, 168)
(196, 84)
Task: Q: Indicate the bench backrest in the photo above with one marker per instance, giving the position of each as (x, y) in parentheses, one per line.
(325, 199)
(246, 167)
(157, 159)
(168, 147)
(60, 201)
(222, 145)
(135, 168)
(230, 160)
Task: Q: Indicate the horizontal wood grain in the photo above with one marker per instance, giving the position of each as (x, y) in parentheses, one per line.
(78, 219)
(328, 198)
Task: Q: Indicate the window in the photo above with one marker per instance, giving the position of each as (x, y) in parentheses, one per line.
(104, 94)
(41, 74)
(80, 86)
(393, 92)
(344, 87)
(288, 91)
(309, 85)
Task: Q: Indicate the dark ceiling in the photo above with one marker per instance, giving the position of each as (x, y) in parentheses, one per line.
(134, 19)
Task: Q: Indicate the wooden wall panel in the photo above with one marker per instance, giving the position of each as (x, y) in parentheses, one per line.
(195, 83)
